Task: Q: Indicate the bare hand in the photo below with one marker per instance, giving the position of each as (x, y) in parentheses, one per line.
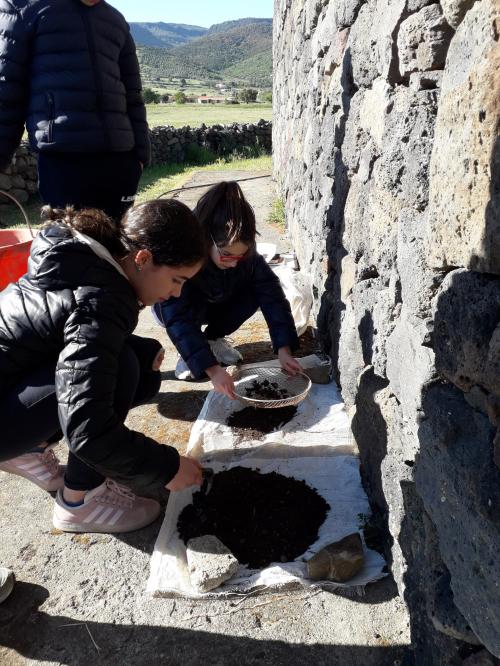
(158, 360)
(189, 474)
(288, 363)
(221, 380)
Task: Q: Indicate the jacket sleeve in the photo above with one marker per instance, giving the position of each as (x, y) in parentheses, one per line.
(275, 306)
(131, 77)
(94, 336)
(180, 316)
(16, 33)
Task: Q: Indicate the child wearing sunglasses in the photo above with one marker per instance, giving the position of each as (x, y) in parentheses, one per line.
(235, 282)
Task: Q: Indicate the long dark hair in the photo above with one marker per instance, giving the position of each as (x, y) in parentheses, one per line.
(226, 216)
(165, 227)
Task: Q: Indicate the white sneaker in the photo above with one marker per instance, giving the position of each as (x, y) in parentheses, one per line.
(224, 352)
(109, 508)
(7, 580)
(182, 370)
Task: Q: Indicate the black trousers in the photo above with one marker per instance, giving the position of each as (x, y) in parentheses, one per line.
(107, 181)
(29, 416)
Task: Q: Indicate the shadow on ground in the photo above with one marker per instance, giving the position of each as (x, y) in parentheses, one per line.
(37, 635)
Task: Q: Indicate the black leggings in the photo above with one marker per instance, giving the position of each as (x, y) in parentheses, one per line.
(29, 415)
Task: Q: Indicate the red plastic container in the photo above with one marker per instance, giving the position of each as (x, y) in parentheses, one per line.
(15, 247)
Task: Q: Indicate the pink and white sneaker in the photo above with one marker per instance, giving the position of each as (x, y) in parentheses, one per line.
(108, 508)
(42, 468)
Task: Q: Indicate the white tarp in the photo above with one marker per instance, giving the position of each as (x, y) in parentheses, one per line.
(316, 447)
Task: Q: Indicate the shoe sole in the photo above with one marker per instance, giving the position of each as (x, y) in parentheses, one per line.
(36, 481)
(7, 589)
(96, 528)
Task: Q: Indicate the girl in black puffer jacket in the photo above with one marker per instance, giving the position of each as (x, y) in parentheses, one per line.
(69, 361)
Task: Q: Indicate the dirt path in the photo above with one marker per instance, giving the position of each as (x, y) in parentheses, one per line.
(80, 599)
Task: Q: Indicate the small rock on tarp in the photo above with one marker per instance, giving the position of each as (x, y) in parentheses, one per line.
(339, 561)
(210, 563)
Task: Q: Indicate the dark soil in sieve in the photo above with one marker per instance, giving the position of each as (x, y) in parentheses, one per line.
(266, 390)
(254, 423)
(261, 518)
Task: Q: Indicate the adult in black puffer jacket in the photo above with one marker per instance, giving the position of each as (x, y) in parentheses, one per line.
(68, 360)
(69, 70)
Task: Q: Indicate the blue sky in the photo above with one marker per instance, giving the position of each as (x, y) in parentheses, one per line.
(193, 12)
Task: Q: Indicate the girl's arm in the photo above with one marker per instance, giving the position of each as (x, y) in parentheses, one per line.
(275, 307)
(181, 318)
(94, 336)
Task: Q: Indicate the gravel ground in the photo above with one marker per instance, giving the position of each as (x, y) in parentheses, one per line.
(80, 598)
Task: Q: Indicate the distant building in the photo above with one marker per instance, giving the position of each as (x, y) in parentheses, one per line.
(206, 99)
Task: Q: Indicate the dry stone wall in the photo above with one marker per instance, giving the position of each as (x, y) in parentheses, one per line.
(386, 152)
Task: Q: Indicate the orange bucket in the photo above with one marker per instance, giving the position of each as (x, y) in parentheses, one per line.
(15, 247)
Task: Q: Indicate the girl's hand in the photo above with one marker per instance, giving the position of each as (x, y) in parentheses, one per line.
(189, 474)
(222, 381)
(158, 360)
(288, 363)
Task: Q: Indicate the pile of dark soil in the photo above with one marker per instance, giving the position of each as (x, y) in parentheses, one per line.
(254, 423)
(266, 390)
(261, 518)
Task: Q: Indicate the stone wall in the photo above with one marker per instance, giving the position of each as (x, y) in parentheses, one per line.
(386, 152)
(170, 144)
(21, 178)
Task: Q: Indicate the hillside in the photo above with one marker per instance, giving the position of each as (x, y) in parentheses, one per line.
(166, 35)
(255, 70)
(239, 23)
(160, 63)
(235, 50)
(219, 50)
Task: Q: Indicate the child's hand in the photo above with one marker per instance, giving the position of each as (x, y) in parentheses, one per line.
(189, 474)
(221, 380)
(288, 363)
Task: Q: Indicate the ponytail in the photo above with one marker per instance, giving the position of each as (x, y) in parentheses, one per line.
(91, 222)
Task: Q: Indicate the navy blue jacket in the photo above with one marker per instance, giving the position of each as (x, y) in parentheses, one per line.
(250, 279)
(70, 72)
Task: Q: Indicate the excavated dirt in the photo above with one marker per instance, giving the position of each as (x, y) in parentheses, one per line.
(261, 518)
(253, 423)
(266, 390)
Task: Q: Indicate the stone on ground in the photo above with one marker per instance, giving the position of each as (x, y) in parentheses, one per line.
(339, 561)
(210, 562)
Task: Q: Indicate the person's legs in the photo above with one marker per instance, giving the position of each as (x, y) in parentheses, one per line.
(226, 318)
(28, 414)
(107, 181)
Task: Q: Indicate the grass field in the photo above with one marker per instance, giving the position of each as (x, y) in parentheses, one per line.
(179, 115)
(154, 182)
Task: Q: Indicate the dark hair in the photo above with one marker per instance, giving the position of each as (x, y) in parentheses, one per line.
(226, 215)
(165, 227)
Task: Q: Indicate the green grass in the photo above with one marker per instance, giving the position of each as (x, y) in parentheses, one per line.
(160, 179)
(277, 214)
(179, 115)
(154, 182)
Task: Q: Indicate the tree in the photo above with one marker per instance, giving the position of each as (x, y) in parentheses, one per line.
(183, 83)
(150, 96)
(164, 98)
(248, 95)
(267, 96)
(180, 97)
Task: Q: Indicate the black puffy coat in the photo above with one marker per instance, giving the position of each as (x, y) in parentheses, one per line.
(251, 279)
(70, 72)
(76, 309)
